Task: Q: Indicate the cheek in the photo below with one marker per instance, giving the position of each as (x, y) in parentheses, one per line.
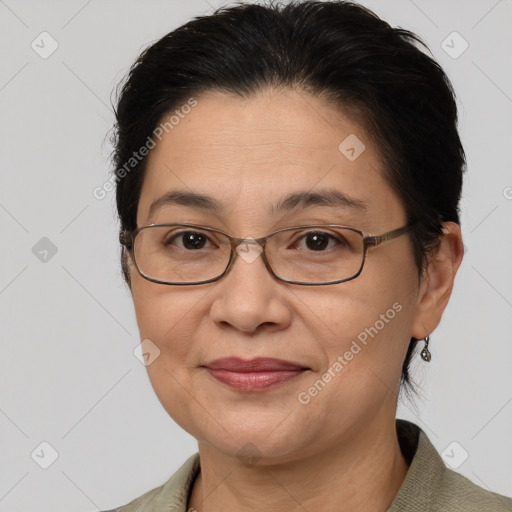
(166, 316)
(367, 340)
(365, 325)
(156, 306)
(353, 311)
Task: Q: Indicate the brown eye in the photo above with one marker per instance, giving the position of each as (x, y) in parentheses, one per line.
(317, 241)
(189, 240)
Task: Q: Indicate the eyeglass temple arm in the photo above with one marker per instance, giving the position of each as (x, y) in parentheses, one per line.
(378, 239)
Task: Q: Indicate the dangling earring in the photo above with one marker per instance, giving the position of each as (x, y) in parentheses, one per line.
(425, 353)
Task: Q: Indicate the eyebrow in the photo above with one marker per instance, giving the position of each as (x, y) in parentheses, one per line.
(190, 199)
(296, 200)
(326, 197)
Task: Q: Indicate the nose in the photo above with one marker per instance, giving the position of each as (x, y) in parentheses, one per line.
(249, 297)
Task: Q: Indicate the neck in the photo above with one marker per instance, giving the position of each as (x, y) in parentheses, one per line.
(363, 473)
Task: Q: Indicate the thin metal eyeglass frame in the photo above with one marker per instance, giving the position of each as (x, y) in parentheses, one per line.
(127, 240)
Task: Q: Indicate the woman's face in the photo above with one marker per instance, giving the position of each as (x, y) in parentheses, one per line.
(352, 336)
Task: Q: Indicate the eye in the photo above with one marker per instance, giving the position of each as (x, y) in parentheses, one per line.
(318, 241)
(189, 240)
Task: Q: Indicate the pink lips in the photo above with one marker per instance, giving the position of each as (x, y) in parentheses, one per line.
(254, 375)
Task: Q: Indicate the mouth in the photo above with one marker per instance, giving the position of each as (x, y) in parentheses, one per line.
(254, 375)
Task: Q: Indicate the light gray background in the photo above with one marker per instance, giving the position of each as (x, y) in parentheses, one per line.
(68, 375)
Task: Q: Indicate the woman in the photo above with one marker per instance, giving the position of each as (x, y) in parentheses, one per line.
(288, 180)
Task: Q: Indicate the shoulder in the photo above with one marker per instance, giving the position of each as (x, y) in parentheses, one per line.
(430, 485)
(457, 492)
(140, 504)
(171, 496)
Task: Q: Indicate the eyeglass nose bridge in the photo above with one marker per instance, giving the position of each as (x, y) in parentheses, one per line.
(248, 249)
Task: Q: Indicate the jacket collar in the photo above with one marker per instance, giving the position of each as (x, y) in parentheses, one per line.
(425, 473)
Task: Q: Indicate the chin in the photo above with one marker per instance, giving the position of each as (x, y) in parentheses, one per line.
(261, 444)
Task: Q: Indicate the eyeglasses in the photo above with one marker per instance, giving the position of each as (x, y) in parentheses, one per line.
(188, 254)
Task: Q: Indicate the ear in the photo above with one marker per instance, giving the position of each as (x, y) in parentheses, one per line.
(437, 281)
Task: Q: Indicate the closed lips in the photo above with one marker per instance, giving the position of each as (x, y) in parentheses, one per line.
(255, 375)
(235, 364)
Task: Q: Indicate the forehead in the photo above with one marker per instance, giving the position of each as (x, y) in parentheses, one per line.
(249, 153)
